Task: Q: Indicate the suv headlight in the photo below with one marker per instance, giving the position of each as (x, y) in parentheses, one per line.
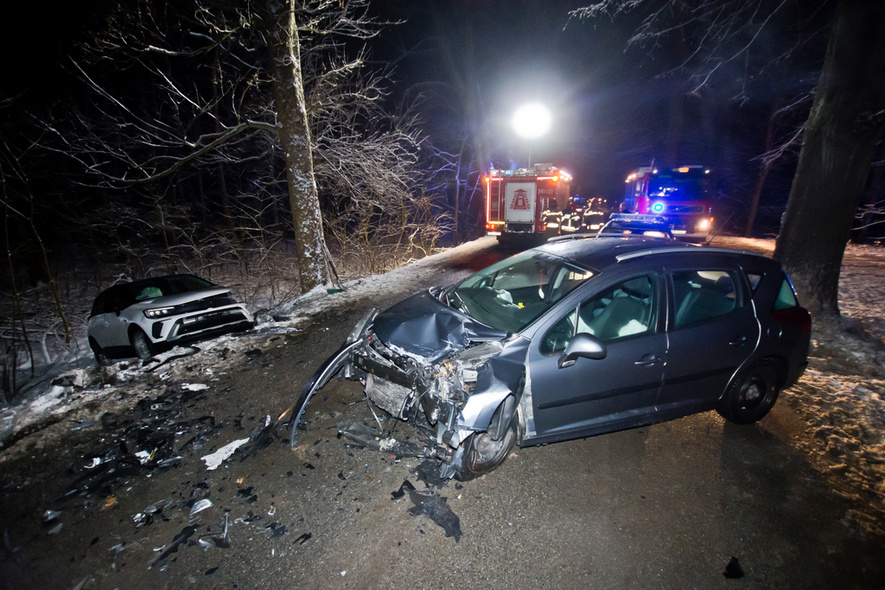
(158, 312)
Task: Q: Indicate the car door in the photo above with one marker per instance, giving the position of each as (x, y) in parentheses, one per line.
(595, 395)
(105, 325)
(712, 330)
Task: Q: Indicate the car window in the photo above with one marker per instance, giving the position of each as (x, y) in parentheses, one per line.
(101, 304)
(701, 295)
(755, 280)
(150, 292)
(623, 310)
(786, 297)
(511, 294)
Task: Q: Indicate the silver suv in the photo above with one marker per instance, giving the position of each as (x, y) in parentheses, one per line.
(144, 317)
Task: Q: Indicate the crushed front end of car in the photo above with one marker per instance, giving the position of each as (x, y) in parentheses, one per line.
(428, 364)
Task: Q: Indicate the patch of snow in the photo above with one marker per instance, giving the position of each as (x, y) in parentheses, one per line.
(194, 386)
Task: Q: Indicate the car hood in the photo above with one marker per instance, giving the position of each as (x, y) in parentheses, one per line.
(181, 298)
(426, 329)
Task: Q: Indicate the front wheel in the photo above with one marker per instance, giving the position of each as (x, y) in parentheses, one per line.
(483, 452)
(751, 395)
(142, 345)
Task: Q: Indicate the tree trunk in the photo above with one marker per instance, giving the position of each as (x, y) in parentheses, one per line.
(294, 137)
(845, 123)
(868, 201)
(763, 173)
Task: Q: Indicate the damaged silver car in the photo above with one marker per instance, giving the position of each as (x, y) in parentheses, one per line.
(575, 338)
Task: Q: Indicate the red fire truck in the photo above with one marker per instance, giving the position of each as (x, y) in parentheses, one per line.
(683, 195)
(516, 200)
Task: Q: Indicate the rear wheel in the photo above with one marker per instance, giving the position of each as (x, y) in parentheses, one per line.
(141, 344)
(484, 451)
(751, 395)
(100, 357)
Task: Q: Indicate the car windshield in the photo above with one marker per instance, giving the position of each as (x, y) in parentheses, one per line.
(164, 286)
(510, 294)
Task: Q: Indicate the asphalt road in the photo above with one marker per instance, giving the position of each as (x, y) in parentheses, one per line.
(664, 506)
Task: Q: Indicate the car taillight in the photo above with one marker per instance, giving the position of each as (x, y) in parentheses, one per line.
(798, 317)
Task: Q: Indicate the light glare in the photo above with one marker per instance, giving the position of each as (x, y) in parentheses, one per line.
(531, 121)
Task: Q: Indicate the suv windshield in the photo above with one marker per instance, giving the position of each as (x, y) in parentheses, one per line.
(509, 295)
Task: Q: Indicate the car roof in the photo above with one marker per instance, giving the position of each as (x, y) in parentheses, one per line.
(597, 253)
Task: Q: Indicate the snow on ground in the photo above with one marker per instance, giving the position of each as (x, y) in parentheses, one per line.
(840, 400)
(69, 390)
(841, 397)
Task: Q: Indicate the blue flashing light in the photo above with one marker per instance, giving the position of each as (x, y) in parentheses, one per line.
(658, 207)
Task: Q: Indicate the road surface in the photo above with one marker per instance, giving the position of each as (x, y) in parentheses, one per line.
(664, 506)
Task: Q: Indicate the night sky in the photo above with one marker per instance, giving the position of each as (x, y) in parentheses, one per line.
(611, 105)
(526, 52)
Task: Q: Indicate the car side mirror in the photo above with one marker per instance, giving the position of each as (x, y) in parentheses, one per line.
(582, 345)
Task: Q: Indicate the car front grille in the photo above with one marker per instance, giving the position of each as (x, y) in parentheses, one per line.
(206, 321)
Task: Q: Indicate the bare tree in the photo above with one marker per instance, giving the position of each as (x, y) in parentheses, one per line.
(847, 121)
(201, 85)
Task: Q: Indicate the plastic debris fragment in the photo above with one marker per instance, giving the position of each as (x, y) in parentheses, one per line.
(373, 439)
(274, 530)
(733, 570)
(218, 457)
(223, 541)
(405, 487)
(185, 534)
(433, 506)
(51, 515)
(199, 507)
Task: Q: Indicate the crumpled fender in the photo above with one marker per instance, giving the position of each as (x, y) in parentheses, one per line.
(501, 376)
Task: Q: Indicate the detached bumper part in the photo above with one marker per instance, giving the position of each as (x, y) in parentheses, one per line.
(376, 440)
(292, 417)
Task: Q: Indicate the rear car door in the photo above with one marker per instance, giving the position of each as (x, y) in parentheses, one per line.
(106, 326)
(712, 329)
(596, 395)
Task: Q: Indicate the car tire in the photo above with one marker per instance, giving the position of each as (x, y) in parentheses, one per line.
(751, 395)
(141, 344)
(100, 357)
(482, 452)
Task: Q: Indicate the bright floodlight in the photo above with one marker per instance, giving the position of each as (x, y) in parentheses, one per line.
(532, 120)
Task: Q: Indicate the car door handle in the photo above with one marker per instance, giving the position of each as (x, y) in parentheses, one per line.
(742, 341)
(648, 360)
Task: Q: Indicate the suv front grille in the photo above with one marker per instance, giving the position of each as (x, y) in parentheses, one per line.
(215, 319)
